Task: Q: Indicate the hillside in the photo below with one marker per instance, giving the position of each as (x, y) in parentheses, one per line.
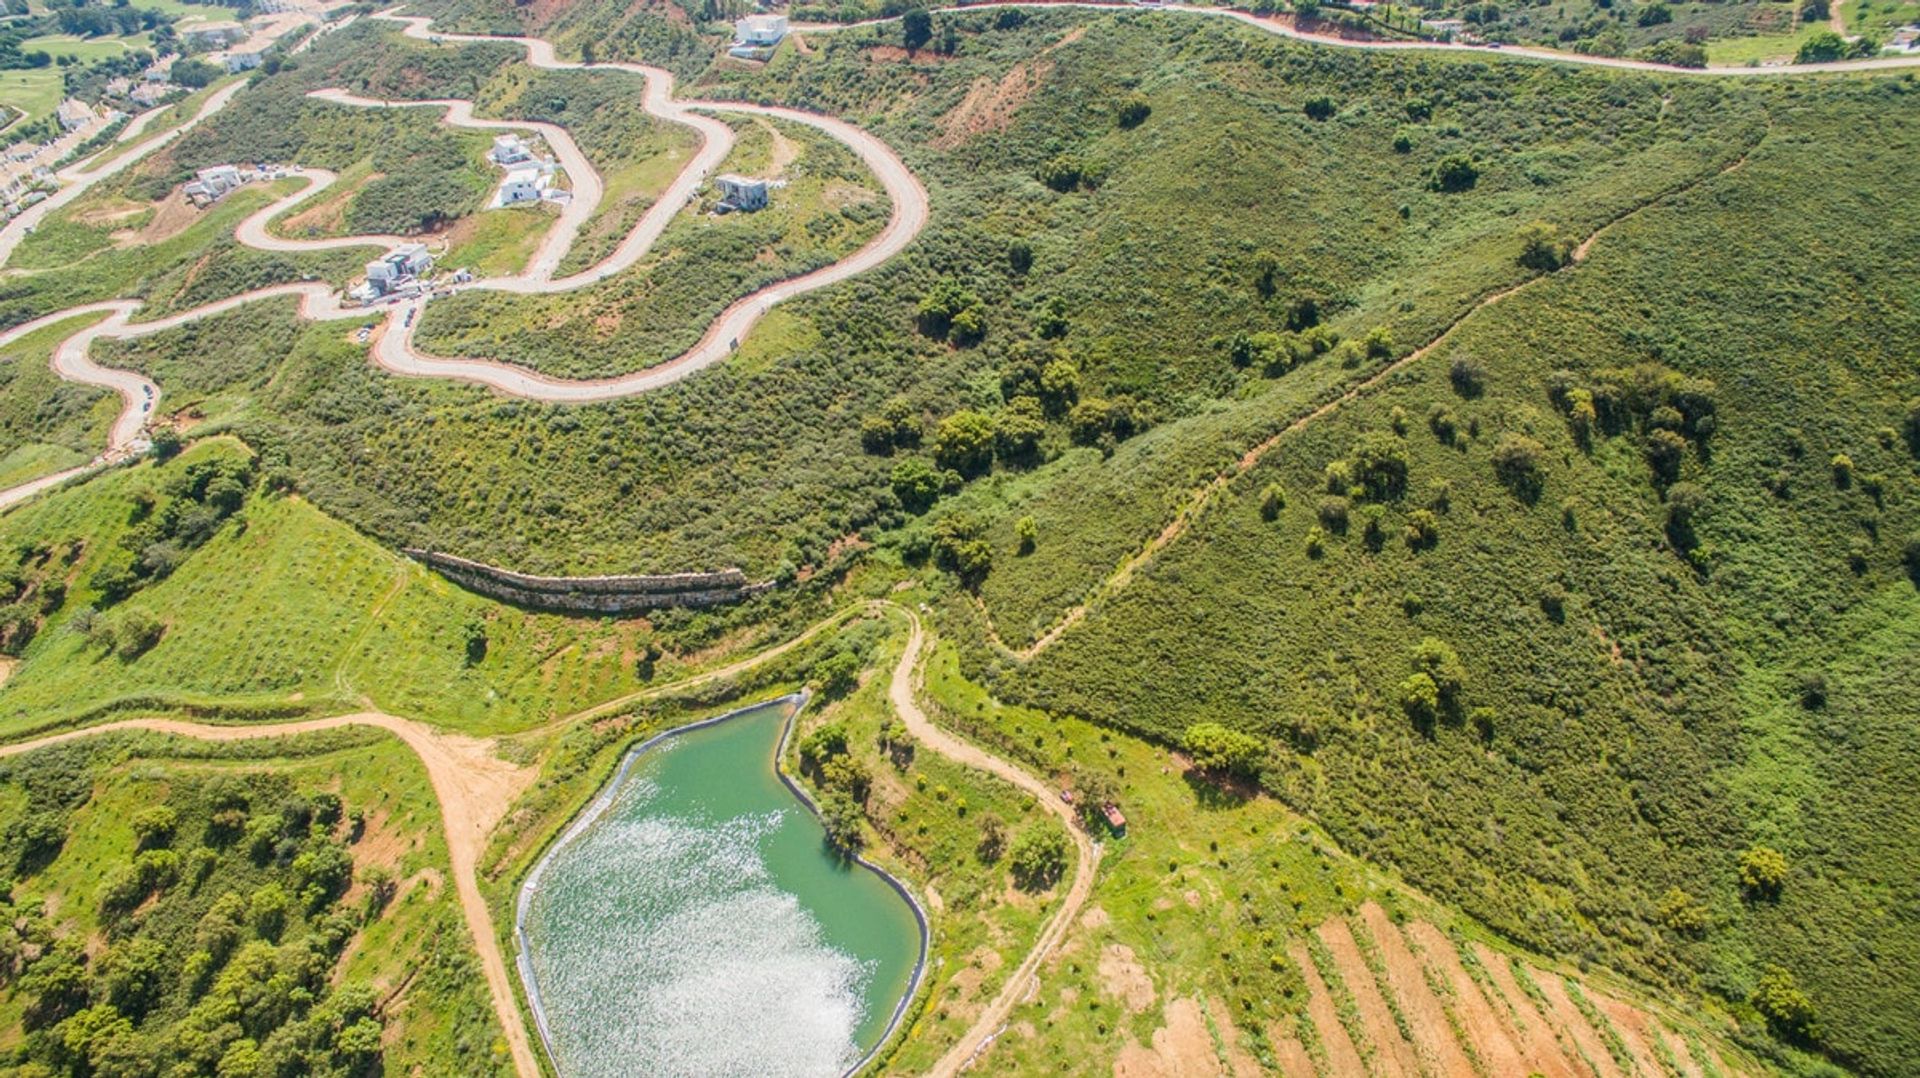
(1465, 510)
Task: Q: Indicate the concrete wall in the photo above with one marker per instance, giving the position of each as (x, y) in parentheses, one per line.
(593, 594)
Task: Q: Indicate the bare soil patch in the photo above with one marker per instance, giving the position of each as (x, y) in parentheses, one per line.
(1683, 1055)
(990, 105)
(1635, 1029)
(894, 54)
(1481, 1022)
(1392, 1054)
(111, 213)
(1122, 976)
(1568, 1018)
(1424, 1011)
(1292, 1056)
(1181, 1049)
(1342, 1056)
(1536, 1037)
(1240, 1062)
(328, 217)
(171, 216)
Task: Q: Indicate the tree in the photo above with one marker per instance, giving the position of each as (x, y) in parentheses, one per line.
(1468, 375)
(917, 483)
(1062, 172)
(1910, 426)
(993, 839)
(961, 548)
(1437, 659)
(1133, 111)
(1320, 108)
(1822, 47)
(1654, 14)
(1681, 914)
(1018, 429)
(1027, 531)
(1542, 248)
(1380, 465)
(153, 827)
(166, 444)
(1273, 498)
(1220, 750)
(1423, 529)
(1786, 1008)
(964, 442)
(1020, 256)
(1763, 872)
(1666, 451)
(1516, 461)
(1038, 857)
(916, 28)
(1453, 173)
(836, 674)
(1420, 698)
(841, 818)
(135, 632)
(474, 640)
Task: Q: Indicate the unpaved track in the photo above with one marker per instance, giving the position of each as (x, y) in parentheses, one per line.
(474, 788)
(1202, 497)
(901, 691)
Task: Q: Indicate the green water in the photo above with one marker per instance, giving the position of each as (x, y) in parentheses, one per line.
(700, 925)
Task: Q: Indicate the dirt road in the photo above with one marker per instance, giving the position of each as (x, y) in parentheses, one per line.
(901, 691)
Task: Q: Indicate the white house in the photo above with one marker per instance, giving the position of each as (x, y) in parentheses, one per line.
(741, 193)
(395, 270)
(214, 34)
(211, 184)
(760, 31)
(521, 185)
(508, 150)
(73, 115)
(239, 60)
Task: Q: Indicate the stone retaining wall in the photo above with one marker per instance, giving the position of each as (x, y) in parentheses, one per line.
(593, 594)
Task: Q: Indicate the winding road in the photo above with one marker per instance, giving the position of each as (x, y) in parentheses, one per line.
(394, 348)
(901, 691)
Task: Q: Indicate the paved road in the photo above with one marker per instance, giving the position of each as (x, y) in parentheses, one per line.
(1274, 25)
(395, 349)
(474, 788)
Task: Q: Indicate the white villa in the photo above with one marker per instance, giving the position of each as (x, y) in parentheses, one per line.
(521, 185)
(74, 114)
(508, 150)
(394, 272)
(757, 35)
(240, 60)
(741, 193)
(212, 184)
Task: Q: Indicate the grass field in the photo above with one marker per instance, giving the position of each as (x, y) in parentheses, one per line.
(35, 93)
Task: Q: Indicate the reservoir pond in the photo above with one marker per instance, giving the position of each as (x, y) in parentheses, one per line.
(694, 921)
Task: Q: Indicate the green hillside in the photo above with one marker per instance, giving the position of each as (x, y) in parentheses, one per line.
(1527, 458)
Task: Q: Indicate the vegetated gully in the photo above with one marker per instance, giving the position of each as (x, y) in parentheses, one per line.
(476, 788)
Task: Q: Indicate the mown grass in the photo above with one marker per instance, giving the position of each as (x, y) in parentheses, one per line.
(44, 420)
(35, 93)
